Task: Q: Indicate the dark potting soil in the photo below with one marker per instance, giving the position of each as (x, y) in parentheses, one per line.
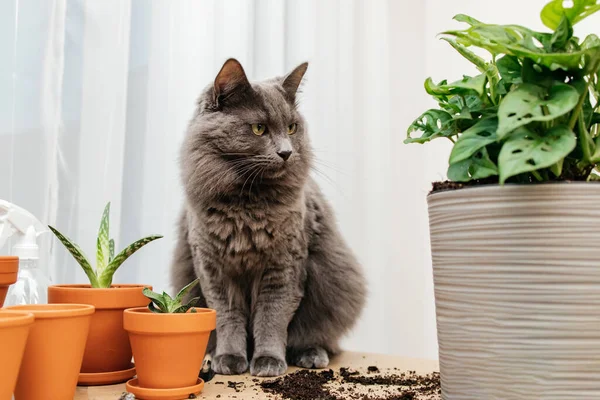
(449, 185)
(312, 385)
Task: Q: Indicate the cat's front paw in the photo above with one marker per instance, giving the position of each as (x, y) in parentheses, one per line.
(230, 364)
(313, 357)
(267, 366)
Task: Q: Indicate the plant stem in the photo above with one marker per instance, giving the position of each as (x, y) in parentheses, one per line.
(583, 137)
(579, 106)
(537, 176)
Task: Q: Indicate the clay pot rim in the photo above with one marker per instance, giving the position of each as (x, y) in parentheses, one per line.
(51, 311)
(514, 186)
(10, 319)
(142, 320)
(118, 296)
(111, 289)
(9, 265)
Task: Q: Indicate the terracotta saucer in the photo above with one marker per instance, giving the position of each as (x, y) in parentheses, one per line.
(105, 378)
(163, 394)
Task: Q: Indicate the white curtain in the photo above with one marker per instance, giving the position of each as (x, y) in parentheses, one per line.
(95, 96)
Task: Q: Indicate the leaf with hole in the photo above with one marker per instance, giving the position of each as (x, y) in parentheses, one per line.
(526, 151)
(464, 86)
(518, 41)
(478, 166)
(529, 103)
(510, 69)
(563, 33)
(473, 139)
(574, 10)
(433, 123)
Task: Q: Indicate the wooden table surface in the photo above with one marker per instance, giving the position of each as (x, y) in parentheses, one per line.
(250, 390)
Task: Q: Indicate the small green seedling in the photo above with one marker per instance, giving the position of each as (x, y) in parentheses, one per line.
(106, 262)
(165, 304)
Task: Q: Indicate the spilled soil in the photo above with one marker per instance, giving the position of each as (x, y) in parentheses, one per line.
(352, 385)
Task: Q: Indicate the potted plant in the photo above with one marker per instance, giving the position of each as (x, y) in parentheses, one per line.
(14, 328)
(107, 356)
(172, 335)
(515, 261)
(54, 350)
(9, 266)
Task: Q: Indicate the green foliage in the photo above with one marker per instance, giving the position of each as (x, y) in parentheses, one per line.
(532, 113)
(163, 303)
(106, 262)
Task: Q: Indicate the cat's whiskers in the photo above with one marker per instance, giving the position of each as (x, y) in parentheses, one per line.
(261, 170)
(254, 168)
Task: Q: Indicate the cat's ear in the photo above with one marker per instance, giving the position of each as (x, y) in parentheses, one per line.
(230, 81)
(292, 81)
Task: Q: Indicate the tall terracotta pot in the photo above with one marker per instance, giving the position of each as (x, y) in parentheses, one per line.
(175, 342)
(108, 352)
(54, 351)
(14, 328)
(9, 266)
(517, 288)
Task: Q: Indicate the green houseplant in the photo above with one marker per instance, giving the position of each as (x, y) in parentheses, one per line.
(108, 354)
(171, 334)
(517, 285)
(531, 115)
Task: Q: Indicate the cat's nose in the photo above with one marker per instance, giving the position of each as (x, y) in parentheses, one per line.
(285, 154)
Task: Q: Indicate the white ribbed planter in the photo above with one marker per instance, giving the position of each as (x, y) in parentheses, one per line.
(517, 289)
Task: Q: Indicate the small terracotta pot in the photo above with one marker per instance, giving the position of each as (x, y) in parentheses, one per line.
(107, 348)
(168, 348)
(54, 350)
(14, 328)
(9, 266)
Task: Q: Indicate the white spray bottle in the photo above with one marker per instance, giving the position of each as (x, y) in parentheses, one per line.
(32, 283)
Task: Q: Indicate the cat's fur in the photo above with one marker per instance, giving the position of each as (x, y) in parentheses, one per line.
(258, 233)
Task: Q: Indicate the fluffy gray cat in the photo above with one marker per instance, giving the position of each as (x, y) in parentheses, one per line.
(258, 233)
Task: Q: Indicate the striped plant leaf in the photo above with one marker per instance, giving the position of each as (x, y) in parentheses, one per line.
(103, 243)
(184, 308)
(157, 300)
(154, 308)
(111, 247)
(79, 256)
(183, 292)
(105, 278)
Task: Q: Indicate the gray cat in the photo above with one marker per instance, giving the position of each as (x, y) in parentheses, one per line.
(258, 233)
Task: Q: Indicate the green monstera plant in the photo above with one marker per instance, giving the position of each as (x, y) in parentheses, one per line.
(165, 304)
(106, 261)
(531, 114)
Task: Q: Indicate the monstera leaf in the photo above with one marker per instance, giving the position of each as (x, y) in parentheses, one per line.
(527, 151)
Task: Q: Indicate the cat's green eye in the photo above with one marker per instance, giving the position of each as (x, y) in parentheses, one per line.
(292, 129)
(259, 129)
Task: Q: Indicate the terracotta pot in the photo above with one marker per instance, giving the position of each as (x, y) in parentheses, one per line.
(517, 289)
(168, 348)
(9, 266)
(14, 328)
(107, 348)
(54, 350)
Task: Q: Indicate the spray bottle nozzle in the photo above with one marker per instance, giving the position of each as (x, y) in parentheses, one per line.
(27, 247)
(13, 220)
